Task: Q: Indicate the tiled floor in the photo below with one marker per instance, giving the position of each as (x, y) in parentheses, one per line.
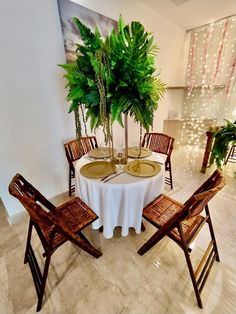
(121, 281)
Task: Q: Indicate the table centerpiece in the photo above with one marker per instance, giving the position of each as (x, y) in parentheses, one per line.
(112, 78)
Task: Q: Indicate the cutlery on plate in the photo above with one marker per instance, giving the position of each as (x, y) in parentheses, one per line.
(113, 176)
(104, 178)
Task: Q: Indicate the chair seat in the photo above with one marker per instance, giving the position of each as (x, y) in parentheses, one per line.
(190, 227)
(162, 209)
(75, 214)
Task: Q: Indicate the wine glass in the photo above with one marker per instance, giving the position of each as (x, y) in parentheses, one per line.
(137, 149)
(119, 156)
(119, 151)
(103, 149)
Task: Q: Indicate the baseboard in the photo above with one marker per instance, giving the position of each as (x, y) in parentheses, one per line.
(14, 219)
(57, 200)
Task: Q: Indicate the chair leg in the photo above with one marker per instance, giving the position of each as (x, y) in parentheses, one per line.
(71, 176)
(143, 228)
(86, 246)
(38, 278)
(70, 182)
(170, 172)
(82, 236)
(101, 229)
(28, 241)
(212, 233)
(151, 242)
(43, 283)
(228, 156)
(190, 267)
(169, 180)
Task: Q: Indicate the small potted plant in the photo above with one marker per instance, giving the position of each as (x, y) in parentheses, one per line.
(223, 138)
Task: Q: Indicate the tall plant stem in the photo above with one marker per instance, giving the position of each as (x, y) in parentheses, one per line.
(84, 122)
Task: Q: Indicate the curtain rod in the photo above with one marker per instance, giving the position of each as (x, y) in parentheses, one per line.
(223, 18)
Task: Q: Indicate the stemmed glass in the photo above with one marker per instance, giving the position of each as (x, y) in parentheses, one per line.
(103, 149)
(119, 152)
(136, 145)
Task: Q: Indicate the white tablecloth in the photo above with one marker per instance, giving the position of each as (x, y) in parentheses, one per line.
(120, 201)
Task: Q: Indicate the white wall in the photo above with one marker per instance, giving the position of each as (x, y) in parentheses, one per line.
(33, 113)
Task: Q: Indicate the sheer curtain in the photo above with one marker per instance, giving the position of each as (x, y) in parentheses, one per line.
(210, 96)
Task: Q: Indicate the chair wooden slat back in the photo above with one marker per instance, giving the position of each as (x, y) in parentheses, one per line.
(163, 144)
(31, 199)
(88, 143)
(159, 143)
(199, 199)
(197, 202)
(74, 150)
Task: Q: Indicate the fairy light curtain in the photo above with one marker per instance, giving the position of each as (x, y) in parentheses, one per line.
(210, 96)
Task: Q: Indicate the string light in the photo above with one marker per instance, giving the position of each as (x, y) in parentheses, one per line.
(211, 77)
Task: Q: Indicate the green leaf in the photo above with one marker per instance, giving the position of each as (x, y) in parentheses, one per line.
(68, 67)
(108, 95)
(75, 93)
(88, 37)
(116, 110)
(121, 83)
(91, 98)
(73, 106)
(90, 82)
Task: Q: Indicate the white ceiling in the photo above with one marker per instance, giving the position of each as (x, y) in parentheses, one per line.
(192, 13)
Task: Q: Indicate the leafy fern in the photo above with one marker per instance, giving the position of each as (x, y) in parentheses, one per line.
(222, 140)
(124, 71)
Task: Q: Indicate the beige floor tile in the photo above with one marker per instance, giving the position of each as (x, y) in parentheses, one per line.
(121, 281)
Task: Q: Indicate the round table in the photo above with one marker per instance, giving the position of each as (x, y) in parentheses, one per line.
(120, 201)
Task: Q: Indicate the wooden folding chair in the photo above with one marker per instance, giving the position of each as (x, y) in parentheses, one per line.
(182, 223)
(74, 150)
(54, 226)
(163, 144)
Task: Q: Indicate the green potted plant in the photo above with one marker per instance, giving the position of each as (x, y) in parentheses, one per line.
(114, 76)
(222, 140)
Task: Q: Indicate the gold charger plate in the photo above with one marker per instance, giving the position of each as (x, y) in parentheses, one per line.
(133, 152)
(143, 168)
(97, 169)
(101, 152)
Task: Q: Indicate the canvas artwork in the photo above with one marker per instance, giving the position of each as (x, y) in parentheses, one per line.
(68, 9)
